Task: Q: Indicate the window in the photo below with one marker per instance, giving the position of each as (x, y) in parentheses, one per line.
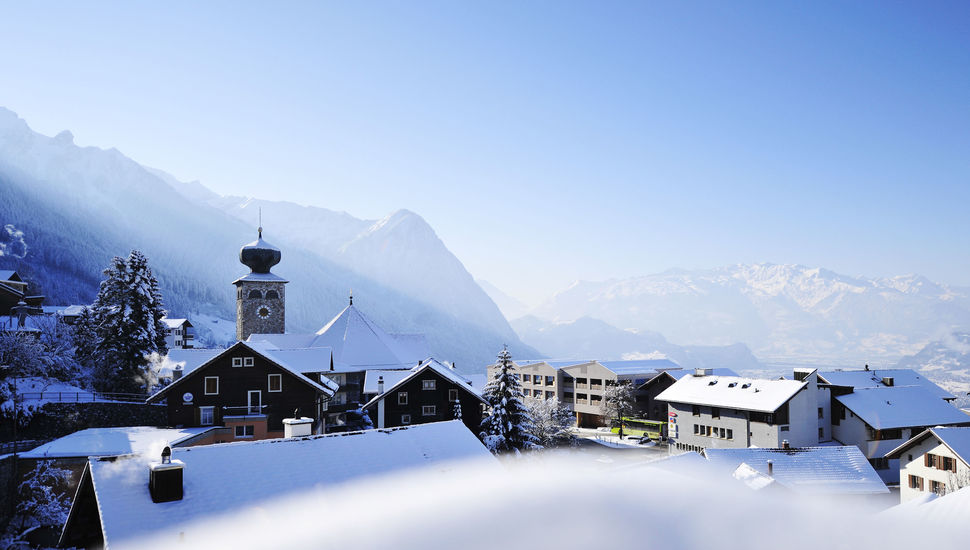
(206, 416)
(730, 434)
(708, 431)
(452, 395)
(212, 385)
(697, 429)
(696, 410)
(595, 398)
(821, 433)
(937, 487)
(550, 380)
(428, 384)
(245, 431)
(255, 398)
(248, 361)
(405, 419)
(275, 382)
(916, 482)
(940, 462)
(722, 433)
(527, 392)
(550, 394)
(715, 412)
(272, 295)
(402, 398)
(785, 428)
(821, 412)
(255, 295)
(428, 410)
(237, 361)
(526, 377)
(595, 382)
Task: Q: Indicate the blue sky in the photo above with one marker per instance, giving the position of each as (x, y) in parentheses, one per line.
(544, 141)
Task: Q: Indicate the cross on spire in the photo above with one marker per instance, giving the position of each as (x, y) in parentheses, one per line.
(351, 296)
(260, 229)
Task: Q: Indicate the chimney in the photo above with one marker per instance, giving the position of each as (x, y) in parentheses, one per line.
(888, 381)
(785, 445)
(165, 478)
(176, 373)
(380, 385)
(703, 372)
(771, 468)
(297, 427)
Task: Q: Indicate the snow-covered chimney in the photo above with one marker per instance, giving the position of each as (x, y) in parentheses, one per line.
(785, 445)
(888, 381)
(297, 427)
(703, 372)
(165, 478)
(176, 373)
(771, 467)
(380, 385)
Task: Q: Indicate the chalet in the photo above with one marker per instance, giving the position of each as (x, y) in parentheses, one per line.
(179, 333)
(120, 502)
(936, 461)
(711, 411)
(880, 419)
(429, 392)
(248, 390)
(581, 385)
(13, 290)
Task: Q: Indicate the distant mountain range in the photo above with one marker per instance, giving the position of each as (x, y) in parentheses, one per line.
(785, 313)
(946, 362)
(77, 207)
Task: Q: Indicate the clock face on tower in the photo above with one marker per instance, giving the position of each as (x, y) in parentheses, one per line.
(264, 312)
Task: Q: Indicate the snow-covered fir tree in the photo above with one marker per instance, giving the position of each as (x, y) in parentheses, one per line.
(128, 318)
(552, 422)
(508, 426)
(457, 410)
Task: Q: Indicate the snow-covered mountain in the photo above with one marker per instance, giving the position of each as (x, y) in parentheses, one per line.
(946, 362)
(78, 207)
(588, 338)
(782, 312)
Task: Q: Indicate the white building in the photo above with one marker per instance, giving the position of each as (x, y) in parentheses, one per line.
(710, 411)
(935, 461)
(179, 333)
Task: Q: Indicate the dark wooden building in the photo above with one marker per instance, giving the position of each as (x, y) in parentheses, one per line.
(428, 394)
(245, 390)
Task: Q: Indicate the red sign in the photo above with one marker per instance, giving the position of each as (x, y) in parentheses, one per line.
(672, 415)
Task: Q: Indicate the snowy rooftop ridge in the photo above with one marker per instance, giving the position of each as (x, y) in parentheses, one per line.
(956, 438)
(873, 379)
(888, 407)
(812, 470)
(735, 392)
(135, 440)
(235, 477)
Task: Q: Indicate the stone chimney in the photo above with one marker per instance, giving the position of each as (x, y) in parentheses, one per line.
(165, 478)
(297, 427)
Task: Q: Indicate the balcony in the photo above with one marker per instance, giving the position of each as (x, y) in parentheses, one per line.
(582, 386)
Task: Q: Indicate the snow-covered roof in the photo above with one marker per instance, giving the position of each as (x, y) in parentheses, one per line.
(8, 274)
(65, 311)
(191, 358)
(234, 477)
(873, 379)
(137, 440)
(261, 278)
(174, 323)
(356, 343)
(952, 509)
(391, 378)
(733, 392)
(888, 407)
(813, 470)
(956, 438)
(325, 386)
(303, 360)
(430, 364)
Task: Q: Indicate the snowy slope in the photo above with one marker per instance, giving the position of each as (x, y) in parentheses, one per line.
(510, 307)
(78, 207)
(780, 311)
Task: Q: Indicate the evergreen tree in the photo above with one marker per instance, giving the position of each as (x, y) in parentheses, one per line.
(457, 410)
(128, 319)
(508, 426)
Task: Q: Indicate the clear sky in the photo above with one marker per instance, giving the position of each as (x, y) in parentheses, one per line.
(544, 141)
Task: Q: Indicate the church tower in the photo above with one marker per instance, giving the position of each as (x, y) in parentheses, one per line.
(260, 304)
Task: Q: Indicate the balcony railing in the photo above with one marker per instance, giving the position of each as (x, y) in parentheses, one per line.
(582, 401)
(582, 386)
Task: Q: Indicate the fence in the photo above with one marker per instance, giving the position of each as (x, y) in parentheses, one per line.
(83, 397)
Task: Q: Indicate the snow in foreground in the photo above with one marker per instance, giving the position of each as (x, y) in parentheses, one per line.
(550, 503)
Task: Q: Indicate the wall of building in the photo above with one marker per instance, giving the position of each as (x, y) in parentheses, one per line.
(685, 421)
(247, 319)
(912, 463)
(596, 378)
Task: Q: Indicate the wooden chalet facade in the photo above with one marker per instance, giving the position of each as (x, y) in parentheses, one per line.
(428, 394)
(245, 391)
